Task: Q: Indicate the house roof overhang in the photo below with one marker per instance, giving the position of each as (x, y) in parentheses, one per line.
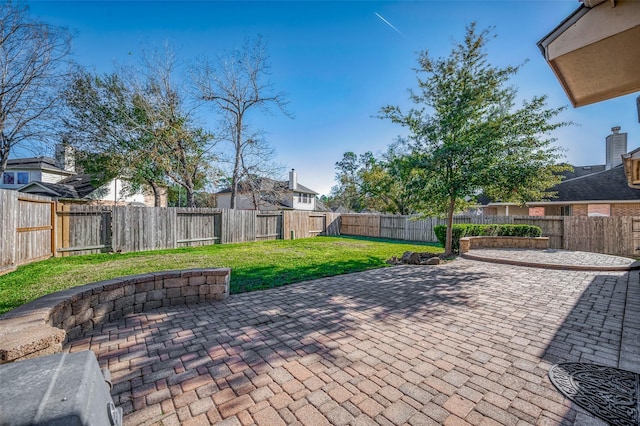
(594, 52)
(38, 187)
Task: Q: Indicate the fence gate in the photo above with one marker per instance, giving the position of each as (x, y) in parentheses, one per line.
(82, 229)
(35, 221)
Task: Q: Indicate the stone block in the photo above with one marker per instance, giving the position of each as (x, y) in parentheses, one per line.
(81, 305)
(115, 315)
(124, 301)
(173, 292)
(178, 300)
(84, 316)
(140, 298)
(156, 295)
(152, 305)
(189, 300)
(175, 282)
(189, 291)
(110, 295)
(145, 286)
(129, 289)
(199, 280)
(21, 341)
(68, 323)
(103, 309)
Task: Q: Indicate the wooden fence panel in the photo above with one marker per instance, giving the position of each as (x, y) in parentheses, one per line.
(618, 237)
(238, 226)
(82, 229)
(143, 228)
(8, 221)
(421, 229)
(332, 223)
(269, 225)
(197, 227)
(608, 235)
(490, 219)
(317, 224)
(34, 228)
(552, 227)
(393, 227)
(297, 224)
(365, 225)
(635, 239)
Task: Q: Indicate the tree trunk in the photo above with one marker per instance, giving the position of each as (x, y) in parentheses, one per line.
(448, 247)
(5, 149)
(156, 192)
(191, 202)
(236, 164)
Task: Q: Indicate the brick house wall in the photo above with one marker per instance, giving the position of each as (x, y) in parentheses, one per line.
(491, 211)
(579, 210)
(630, 209)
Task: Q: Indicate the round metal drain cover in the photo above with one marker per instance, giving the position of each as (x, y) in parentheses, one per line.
(609, 393)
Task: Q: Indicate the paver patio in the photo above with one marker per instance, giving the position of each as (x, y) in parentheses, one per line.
(467, 342)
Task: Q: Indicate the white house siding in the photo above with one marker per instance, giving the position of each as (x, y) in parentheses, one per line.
(112, 192)
(49, 177)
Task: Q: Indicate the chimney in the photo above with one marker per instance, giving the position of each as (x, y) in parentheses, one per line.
(64, 157)
(616, 146)
(293, 179)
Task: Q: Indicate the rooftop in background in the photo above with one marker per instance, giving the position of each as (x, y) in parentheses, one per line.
(35, 163)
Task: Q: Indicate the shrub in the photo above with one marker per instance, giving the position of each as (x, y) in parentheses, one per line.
(465, 230)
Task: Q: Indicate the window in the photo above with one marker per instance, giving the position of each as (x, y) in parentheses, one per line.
(599, 210)
(303, 198)
(23, 178)
(8, 178)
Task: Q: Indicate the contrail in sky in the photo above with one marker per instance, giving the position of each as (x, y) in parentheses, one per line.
(389, 24)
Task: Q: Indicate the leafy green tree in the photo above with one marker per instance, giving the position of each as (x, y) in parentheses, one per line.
(135, 125)
(466, 134)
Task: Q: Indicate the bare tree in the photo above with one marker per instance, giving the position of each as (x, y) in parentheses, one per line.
(32, 60)
(237, 85)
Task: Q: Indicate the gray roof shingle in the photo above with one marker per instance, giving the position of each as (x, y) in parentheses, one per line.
(606, 185)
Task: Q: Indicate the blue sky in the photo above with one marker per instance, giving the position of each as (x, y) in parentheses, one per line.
(339, 63)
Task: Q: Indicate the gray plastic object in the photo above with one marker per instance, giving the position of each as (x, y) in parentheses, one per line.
(61, 389)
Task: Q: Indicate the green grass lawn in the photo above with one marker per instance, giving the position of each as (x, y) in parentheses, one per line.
(254, 266)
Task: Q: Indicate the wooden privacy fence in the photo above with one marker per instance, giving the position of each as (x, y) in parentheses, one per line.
(610, 235)
(413, 228)
(34, 228)
(129, 229)
(26, 229)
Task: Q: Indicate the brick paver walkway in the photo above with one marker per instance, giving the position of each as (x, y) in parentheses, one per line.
(554, 257)
(462, 343)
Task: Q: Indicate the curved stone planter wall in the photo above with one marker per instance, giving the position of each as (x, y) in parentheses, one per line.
(42, 326)
(469, 243)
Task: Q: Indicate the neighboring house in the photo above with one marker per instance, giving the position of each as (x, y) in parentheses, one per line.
(79, 187)
(57, 178)
(269, 194)
(600, 190)
(21, 171)
(603, 193)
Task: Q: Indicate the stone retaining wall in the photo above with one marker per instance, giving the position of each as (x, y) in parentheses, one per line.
(469, 243)
(42, 326)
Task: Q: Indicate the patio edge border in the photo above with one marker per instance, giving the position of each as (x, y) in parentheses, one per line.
(41, 326)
